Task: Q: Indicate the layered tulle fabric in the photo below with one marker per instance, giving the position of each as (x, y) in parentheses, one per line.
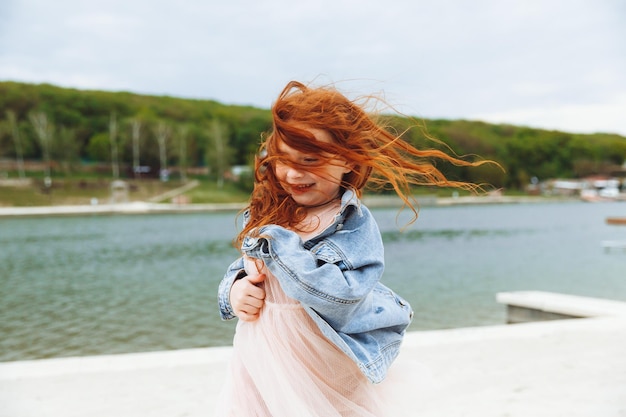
(283, 366)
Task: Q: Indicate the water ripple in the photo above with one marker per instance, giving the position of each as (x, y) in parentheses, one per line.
(101, 285)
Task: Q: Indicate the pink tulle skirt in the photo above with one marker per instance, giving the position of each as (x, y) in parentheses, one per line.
(282, 366)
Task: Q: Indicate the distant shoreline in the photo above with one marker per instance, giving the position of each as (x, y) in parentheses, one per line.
(154, 208)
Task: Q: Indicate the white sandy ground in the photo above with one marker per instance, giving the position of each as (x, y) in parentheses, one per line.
(558, 368)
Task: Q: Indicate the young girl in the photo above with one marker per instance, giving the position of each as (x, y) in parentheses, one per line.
(317, 329)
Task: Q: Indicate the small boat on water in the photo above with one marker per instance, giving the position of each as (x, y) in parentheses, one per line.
(616, 220)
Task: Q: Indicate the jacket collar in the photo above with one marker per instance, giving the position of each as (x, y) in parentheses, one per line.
(350, 199)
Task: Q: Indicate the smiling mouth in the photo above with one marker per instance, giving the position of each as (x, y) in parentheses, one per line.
(301, 187)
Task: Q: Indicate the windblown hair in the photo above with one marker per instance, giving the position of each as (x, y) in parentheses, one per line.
(379, 158)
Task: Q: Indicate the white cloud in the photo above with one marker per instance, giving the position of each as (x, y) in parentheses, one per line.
(435, 58)
(606, 117)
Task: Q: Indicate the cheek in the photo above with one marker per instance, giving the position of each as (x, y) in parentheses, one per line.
(280, 171)
(339, 173)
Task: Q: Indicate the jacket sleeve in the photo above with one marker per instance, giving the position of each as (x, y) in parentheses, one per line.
(323, 278)
(234, 272)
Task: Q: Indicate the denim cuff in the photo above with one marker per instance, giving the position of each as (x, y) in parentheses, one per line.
(235, 271)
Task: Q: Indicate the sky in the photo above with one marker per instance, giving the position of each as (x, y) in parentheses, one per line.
(553, 64)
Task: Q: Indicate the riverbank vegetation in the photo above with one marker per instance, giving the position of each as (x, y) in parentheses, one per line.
(57, 136)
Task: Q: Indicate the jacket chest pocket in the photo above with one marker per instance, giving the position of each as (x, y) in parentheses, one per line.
(326, 253)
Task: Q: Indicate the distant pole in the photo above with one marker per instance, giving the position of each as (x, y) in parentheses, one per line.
(113, 138)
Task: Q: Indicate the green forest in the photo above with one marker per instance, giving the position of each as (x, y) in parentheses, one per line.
(126, 135)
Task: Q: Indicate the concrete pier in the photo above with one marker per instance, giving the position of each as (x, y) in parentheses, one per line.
(527, 306)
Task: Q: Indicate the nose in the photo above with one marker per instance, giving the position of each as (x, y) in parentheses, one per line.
(294, 173)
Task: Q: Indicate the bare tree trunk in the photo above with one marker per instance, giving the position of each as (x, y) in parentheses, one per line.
(44, 131)
(182, 153)
(15, 132)
(65, 150)
(136, 130)
(113, 138)
(219, 154)
(162, 134)
(219, 151)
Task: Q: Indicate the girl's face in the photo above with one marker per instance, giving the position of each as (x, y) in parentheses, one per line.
(309, 181)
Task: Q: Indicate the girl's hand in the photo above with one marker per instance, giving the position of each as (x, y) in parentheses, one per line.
(247, 298)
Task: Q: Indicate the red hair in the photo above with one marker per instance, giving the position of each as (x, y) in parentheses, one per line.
(379, 158)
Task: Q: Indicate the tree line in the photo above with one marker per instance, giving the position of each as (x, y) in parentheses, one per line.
(69, 129)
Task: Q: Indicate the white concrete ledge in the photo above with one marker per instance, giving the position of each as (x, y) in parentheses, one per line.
(548, 305)
(614, 244)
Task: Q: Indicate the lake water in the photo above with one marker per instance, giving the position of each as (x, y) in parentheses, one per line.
(73, 286)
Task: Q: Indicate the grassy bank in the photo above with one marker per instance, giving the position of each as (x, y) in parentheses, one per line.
(86, 190)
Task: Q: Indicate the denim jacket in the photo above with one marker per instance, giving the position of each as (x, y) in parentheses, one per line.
(336, 277)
